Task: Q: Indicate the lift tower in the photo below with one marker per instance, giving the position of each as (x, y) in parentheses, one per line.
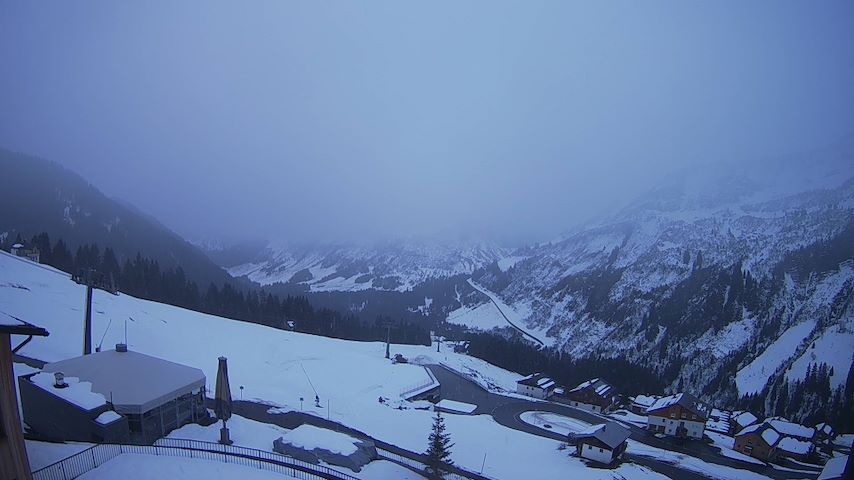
(92, 279)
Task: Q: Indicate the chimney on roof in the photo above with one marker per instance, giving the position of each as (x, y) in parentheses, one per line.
(121, 347)
(59, 380)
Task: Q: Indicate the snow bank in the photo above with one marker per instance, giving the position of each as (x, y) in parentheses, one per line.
(309, 437)
(244, 432)
(108, 417)
(455, 406)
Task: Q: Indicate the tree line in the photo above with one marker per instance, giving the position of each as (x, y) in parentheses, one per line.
(519, 356)
(143, 278)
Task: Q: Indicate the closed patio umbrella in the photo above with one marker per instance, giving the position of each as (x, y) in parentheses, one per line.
(222, 400)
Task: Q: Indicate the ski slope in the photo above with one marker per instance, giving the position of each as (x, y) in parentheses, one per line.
(275, 367)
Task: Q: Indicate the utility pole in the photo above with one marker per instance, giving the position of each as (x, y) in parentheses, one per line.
(387, 323)
(87, 322)
(92, 279)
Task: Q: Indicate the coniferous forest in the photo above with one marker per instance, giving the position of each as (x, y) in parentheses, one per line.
(143, 278)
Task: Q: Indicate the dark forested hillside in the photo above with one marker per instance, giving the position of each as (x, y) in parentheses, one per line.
(41, 196)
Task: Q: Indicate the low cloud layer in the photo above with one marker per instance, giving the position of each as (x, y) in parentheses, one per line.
(338, 121)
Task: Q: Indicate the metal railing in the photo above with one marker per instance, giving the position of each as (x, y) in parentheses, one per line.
(420, 387)
(95, 456)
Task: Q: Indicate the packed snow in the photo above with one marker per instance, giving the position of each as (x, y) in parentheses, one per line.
(108, 417)
(309, 437)
(243, 431)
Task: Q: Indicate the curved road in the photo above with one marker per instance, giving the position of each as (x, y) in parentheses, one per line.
(491, 297)
(506, 411)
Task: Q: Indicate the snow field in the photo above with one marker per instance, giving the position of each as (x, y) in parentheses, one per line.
(278, 367)
(153, 467)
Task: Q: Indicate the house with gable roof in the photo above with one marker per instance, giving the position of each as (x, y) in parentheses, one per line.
(603, 443)
(681, 415)
(536, 385)
(595, 395)
(758, 441)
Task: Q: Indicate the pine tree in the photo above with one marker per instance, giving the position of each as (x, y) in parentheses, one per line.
(439, 448)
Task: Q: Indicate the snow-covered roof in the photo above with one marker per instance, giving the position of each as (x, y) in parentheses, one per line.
(537, 380)
(834, 469)
(743, 419)
(750, 429)
(793, 445)
(685, 400)
(76, 392)
(109, 416)
(824, 428)
(770, 436)
(135, 382)
(792, 429)
(583, 385)
(765, 430)
(15, 326)
(17, 245)
(644, 400)
(599, 386)
(610, 433)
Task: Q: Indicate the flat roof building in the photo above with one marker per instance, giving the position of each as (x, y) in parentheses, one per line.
(150, 397)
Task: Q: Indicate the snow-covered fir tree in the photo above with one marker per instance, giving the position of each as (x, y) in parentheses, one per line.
(439, 448)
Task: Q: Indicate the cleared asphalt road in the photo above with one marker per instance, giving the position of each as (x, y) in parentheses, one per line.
(506, 411)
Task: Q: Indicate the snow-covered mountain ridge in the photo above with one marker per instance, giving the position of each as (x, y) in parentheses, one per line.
(699, 278)
(393, 265)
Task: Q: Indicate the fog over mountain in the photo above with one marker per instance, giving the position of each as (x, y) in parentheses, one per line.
(301, 121)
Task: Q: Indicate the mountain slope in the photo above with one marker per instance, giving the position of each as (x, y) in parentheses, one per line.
(41, 196)
(389, 266)
(698, 279)
(279, 368)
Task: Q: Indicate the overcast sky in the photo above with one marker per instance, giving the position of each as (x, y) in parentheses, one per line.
(344, 120)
